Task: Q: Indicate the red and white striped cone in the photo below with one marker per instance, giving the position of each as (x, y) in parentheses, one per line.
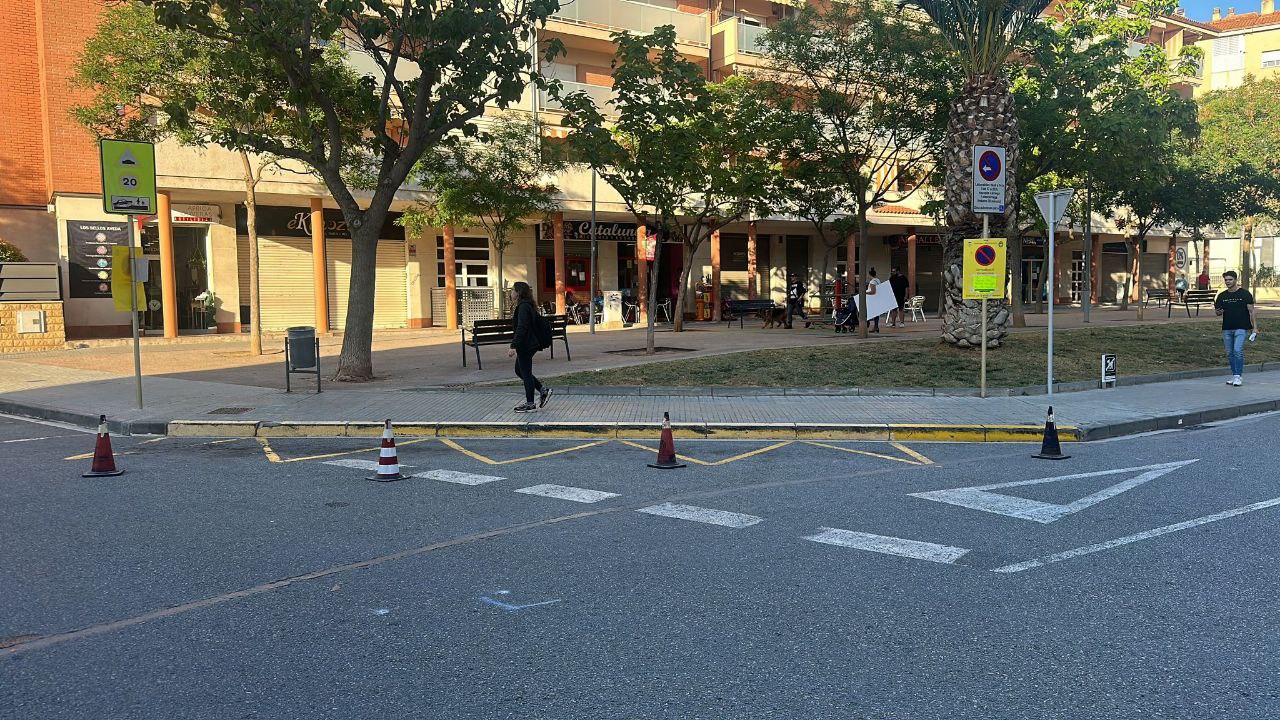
(388, 462)
(104, 461)
(667, 459)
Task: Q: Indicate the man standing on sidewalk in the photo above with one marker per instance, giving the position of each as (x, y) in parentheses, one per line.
(899, 283)
(795, 300)
(1239, 317)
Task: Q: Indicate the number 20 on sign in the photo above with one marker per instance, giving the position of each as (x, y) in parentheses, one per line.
(984, 267)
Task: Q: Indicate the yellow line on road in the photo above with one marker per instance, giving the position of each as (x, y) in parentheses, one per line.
(266, 450)
(903, 448)
(326, 456)
(490, 461)
(710, 463)
(862, 452)
(88, 456)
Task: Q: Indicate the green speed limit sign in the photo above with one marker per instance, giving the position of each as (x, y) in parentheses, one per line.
(128, 177)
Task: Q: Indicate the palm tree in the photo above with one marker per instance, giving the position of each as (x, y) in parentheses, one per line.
(983, 35)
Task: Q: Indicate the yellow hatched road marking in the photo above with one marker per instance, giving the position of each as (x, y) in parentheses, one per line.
(267, 448)
(868, 453)
(710, 463)
(89, 455)
(490, 461)
(903, 448)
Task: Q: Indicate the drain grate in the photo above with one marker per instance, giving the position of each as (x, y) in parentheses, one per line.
(229, 411)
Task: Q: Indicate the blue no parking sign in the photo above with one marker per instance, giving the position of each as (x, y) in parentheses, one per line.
(988, 179)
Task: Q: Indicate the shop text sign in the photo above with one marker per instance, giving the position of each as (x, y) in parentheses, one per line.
(984, 267)
(128, 177)
(276, 221)
(89, 253)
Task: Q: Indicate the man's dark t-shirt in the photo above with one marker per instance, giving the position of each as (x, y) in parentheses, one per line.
(899, 284)
(1235, 309)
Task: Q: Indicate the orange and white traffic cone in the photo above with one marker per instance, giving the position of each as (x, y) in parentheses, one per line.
(388, 462)
(1050, 448)
(104, 461)
(667, 448)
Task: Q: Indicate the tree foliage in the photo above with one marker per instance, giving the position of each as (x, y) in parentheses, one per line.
(683, 154)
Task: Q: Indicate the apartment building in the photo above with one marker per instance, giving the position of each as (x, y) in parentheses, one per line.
(51, 208)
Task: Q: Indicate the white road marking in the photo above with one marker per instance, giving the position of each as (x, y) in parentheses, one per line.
(53, 423)
(1127, 539)
(703, 515)
(357, 464)
(46, 437)
(977, 498)
(458, 478)
(901, 547)
(564, 492)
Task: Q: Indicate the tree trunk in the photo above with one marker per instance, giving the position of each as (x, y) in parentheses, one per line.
(1043, 275)
(686, 263)
(1130, 257)
(251, 217)
(653, 295)
(501, 293)
(1246, 251)
(1019, 311)
(982, 114)
(863, 330)
(356, 362)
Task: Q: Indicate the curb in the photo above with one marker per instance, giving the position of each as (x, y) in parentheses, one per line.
(88, 420)
(591, 431)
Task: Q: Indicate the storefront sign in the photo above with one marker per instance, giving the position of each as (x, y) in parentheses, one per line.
(605, 231)
(206, 214)
(275, 221)
(89, 249)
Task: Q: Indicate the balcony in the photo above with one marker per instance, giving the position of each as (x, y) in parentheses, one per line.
(734, 42)
(636, 17)
(602, 96)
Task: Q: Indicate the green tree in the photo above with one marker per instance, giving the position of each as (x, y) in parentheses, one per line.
(983, 35)
(1073, 93)
(1239, 131)
(498, 181)
(10, 252)
(147, 82)
(438, 65)
(864, 94)
(681, 152)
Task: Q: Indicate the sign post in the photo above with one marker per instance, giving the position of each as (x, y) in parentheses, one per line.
(1053, 205)
(129, 188)
(1108, 370)
(984, 269)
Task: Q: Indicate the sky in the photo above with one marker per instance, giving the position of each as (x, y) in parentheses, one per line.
(1202, 10)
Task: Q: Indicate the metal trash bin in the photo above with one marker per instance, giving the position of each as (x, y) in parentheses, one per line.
(302, 347)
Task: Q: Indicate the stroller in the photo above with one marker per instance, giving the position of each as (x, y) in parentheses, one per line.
(846, 318)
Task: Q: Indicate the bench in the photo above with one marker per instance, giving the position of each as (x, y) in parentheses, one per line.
(1193, 297)
(1160, 297)
(502, 332)
(738, 308)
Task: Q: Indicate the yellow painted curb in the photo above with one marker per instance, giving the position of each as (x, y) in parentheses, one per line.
(572, 430)
(644, 431)
(213, 428)
(462, 429)
(951, 433)
(840, 431)
(763, 431)
(302, 429)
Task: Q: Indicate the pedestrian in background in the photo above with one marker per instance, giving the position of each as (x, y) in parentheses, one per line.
(1239, 317)
(900, 285)
(795, 300)
(1202, 280)
(872, 286)
(1181, 286)
(529, 338)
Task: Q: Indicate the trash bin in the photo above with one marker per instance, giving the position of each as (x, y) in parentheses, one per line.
(302, 347)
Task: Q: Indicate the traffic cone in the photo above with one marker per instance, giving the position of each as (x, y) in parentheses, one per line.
(1050, 448)
(667, 448)
(388, 462)
(104, 461)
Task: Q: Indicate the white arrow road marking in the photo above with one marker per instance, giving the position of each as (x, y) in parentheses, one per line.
(901, 547)
(976, 497)
(565, 492)
(703, 515)
(1127, 539)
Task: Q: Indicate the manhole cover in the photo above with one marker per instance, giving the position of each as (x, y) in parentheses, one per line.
(229, 411)
(657, 350)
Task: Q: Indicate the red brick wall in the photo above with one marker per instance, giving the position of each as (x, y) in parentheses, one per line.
(45, 151)
(22, 155)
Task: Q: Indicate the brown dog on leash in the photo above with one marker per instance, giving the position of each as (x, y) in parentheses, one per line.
(773, 317)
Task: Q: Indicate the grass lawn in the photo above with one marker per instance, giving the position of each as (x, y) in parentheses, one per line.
(1142, 350)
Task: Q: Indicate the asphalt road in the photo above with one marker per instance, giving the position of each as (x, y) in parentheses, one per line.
(837, 580)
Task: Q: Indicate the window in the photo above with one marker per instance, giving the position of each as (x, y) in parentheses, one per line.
(471, 261)
(1271, 59)
(1228, 54)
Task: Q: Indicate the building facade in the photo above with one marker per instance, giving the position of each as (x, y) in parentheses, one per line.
(50, 204)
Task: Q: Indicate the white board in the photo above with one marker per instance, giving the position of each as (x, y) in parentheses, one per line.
(880, 303)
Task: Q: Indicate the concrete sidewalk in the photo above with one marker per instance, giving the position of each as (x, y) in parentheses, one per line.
(219, 409)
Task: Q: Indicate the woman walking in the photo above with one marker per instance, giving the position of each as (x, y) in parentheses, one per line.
(524, 344)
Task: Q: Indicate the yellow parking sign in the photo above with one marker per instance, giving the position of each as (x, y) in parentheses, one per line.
(128, 177)
(984, 267)
(122, 278)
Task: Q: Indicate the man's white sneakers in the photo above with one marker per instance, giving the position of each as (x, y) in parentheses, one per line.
(1235, 381)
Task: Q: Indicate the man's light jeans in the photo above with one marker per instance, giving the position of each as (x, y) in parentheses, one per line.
(1233, 340)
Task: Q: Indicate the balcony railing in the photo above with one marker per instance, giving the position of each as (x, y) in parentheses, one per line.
(602, 96)
(634, 16)
(749, 38)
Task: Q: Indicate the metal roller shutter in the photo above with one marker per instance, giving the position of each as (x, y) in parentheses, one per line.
(288, 297)
(390, 301)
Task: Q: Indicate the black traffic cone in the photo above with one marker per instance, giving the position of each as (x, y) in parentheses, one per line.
(104, 461)
(667, 448)
(1050, 448)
